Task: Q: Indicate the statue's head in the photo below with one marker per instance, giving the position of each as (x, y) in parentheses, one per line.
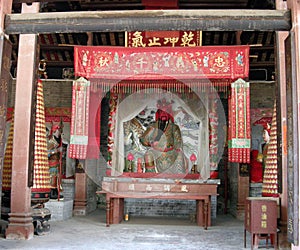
(266, 123)
(266, 133)
(164, 110)
(55, 130)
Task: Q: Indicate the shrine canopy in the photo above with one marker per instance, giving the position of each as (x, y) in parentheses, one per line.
(213, 62)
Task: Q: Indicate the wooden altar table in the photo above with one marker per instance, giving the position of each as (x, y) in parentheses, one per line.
(117, 189)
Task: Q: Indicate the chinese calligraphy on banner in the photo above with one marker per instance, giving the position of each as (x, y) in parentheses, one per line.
(217, 62)
(239, 129)
(80, 118)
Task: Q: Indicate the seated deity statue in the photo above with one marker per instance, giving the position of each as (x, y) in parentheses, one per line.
(164, 143)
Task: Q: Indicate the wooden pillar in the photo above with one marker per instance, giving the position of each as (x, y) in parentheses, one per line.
(20, 221)
(5, 8)
(5, 58)
(282, 128)
(282, 118)
(80, 200)
(294, 229)
(242, 191)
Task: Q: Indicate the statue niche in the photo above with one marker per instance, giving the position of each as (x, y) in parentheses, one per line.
(159, 144)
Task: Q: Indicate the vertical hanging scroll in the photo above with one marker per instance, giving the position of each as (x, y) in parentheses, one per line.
(239, 122)
(80, 119)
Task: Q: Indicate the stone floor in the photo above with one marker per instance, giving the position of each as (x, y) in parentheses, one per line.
(90, 232)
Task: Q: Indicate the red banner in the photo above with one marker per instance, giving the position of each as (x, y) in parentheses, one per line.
(161, 62)
(163, 38)
(80, 119)
(239, 130)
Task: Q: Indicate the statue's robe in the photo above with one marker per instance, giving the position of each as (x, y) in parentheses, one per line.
(166, 149)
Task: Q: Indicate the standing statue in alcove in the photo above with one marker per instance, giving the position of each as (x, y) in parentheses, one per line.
(54, 147)
(164, 142)
(266, 137)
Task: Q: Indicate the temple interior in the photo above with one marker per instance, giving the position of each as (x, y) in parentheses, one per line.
(179, 123)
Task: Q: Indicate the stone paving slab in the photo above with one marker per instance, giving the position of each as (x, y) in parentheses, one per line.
(90, 232)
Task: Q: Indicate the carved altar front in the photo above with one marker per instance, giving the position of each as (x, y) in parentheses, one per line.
(117, 189)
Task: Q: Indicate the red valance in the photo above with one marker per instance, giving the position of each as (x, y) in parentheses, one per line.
(160, 62)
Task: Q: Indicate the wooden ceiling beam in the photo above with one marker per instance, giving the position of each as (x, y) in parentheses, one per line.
(68, 64)
(111, 6)
(254, 65)
(132, 20)
(211, 5)
(41, 1)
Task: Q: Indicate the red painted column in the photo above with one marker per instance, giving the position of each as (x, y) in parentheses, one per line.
(281, 79)
(80, 199)
(5, 8)
(281, 36)
(294, 6)
(20, 221)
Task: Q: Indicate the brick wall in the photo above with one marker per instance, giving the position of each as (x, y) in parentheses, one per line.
(262, 94)
(172, 208)
(57, 93)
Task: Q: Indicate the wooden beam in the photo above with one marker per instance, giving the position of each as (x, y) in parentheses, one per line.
(68, 64)
(40, 1)
(132, 20)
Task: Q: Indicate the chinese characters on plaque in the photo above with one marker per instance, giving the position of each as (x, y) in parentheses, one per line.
(163, 39)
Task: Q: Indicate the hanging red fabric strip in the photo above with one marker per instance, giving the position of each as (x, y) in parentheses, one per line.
(80, 119)
(239, 122)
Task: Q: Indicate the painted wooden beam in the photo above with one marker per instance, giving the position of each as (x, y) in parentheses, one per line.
(132, 20)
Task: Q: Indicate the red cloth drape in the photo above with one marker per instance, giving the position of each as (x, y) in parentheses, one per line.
(93, 148)
(154, 63)
(216, 62)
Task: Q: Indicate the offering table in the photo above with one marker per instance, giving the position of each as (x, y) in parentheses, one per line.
(117, 189)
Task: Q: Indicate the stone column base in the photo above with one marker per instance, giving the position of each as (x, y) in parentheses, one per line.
(20, 227)
(79, 211)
